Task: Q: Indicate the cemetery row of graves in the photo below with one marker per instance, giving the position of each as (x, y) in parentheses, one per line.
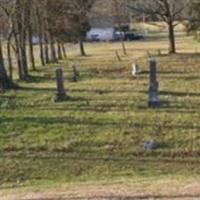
(99, 118)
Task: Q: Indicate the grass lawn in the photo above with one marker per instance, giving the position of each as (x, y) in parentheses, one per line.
(98, 135)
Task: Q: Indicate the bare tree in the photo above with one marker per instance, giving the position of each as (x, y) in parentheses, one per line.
(77, 20)
(193, 24)
(120, 16)
(30, 36)
(169, 11)
(6, 82)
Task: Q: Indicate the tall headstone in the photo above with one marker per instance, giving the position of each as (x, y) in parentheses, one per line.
(60, 91)
(76, 75)
(154, 101)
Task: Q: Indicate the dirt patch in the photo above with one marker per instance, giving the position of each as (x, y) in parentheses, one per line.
(158, 190)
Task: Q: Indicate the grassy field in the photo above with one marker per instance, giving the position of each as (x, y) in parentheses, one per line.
(98, 135)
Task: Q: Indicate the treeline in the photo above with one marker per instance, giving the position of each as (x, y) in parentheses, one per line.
(52, 22)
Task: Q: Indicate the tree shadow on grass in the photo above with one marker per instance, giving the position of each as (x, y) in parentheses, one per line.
(172, 74)
(180, 94)
(93, 154)
(47, 89)
(187, 55)
(69, 120)
(56, 120)
(175, 93)
(121, 197)
(39, 79)
(95, 91)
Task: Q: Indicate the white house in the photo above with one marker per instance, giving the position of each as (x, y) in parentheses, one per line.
(101, 34)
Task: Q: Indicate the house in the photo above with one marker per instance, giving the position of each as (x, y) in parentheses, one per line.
(104, 34)
(101, 34)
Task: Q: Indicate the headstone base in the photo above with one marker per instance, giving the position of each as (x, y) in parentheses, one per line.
(154, 104)
(60, 97)
(154, 101)
(76, 78)
(76, 75)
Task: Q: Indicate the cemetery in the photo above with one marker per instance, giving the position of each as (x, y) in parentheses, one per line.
(109, 120)
(110, 127)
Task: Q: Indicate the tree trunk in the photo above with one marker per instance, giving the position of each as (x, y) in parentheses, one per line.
(46, 37)
(64, 50)
(123, 47)
(20, 37)
(81, 44)
(23, 54)
(41, 46)
(46, 47)
(172, 45)
(52, 47)
(5, 82)
(60, 57)
(17, 21)
(30, 38)
(18, 57)
(40, 34)
(10, 64)
(31, 48)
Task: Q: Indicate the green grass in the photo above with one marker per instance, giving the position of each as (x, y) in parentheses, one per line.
(98, 134)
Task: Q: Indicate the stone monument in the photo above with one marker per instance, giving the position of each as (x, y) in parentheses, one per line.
(135, 69)
(76, 75)
(154, 85)
(60, 90)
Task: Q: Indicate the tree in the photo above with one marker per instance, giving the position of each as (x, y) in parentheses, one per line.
(120, 15)
(6, 82)
(53, 22)
(30, 36)
(21, 23)
(77, 20)
(169, 11)
(194, 18)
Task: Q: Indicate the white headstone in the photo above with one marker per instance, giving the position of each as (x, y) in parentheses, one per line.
(150, 145)
(135, 69)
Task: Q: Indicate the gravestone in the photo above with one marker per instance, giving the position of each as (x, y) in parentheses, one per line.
(150, 145)
(60, 91)
(76, 75)
(154, 85)
(135, 69)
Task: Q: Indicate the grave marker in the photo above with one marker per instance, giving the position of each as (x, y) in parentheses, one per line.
(150, 145)
(135, 69)
(154, 85)
(76, 75)
(60, 90)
